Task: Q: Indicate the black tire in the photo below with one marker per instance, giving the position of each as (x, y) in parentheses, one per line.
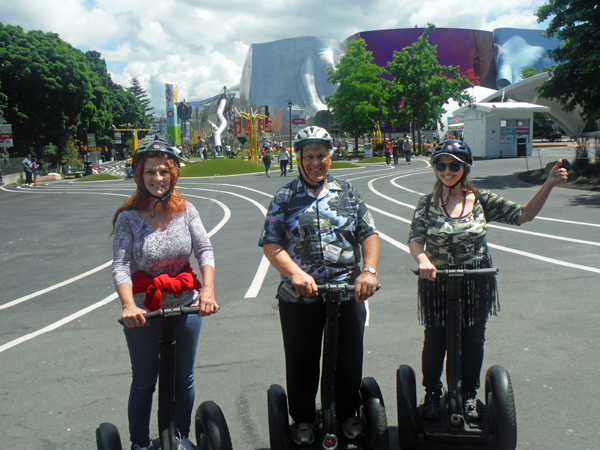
(280, 435)
(212, 432)
(375, 415)
(406, 393)
(107, 437)
(500, 402)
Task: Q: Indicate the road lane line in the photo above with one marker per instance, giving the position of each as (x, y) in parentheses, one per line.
(58, 324)
(56, 286)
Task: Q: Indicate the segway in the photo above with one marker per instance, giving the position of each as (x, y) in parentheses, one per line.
(496, 427)
(327, 435)
(212, 432)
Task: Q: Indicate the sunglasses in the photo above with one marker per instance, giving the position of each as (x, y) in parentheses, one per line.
(454, 167)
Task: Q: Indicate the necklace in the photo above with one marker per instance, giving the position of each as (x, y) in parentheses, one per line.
(463, 202)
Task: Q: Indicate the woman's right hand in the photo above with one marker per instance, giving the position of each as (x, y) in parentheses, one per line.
(133, 316)
(427, 271)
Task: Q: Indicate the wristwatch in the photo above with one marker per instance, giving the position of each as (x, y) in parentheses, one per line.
(370, 269)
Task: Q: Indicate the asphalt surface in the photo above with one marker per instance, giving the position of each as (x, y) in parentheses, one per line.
(65, 369)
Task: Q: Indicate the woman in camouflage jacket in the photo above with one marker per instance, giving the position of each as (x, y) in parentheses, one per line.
(448, 231)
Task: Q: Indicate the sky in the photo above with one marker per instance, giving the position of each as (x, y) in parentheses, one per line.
(201, 45)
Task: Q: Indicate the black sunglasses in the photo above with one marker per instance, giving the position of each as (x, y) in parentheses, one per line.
(454, 167)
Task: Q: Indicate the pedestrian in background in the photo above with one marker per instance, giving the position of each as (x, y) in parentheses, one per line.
(267, 162)
(28, 171)
(407, 147)
(283, 158)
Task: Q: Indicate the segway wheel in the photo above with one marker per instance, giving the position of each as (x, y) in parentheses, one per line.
(280, 435)
(375, 415)
(500, 402)
(406, 393)
(107, 437)
(212, 432)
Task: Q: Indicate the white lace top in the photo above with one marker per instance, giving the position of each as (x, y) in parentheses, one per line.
(138, 246)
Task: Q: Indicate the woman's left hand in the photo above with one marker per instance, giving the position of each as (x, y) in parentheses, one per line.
(206, 301)
(558, 175)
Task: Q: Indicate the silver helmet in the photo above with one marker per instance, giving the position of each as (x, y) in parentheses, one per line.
(312, 135)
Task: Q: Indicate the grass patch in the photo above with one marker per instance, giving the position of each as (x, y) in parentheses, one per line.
(343, 165)
(373, 159)
(221, 166)
(98, 177)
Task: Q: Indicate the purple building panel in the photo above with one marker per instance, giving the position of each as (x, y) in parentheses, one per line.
(471, 50)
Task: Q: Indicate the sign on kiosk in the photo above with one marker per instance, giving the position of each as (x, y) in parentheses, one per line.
(6, 137)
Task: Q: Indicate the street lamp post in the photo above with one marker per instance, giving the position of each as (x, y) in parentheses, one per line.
(289, 102)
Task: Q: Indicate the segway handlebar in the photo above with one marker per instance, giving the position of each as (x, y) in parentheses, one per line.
(343, 288)
(463, 272)
(170, 312)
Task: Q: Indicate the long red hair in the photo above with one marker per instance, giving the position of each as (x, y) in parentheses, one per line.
(174, 205)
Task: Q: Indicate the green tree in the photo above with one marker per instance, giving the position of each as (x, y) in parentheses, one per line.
(141, 94)
(357, 105)
(575, 80)
(46, 82)
(421, 86)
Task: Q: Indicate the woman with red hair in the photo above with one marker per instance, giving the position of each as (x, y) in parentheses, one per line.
(155, 232)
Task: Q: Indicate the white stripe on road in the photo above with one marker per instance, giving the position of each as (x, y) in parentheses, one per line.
(56, 286)
(545, 259)
(60, 323)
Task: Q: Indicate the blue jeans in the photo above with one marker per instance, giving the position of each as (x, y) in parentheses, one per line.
(143, 344)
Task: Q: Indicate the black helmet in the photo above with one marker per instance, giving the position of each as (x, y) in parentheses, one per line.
(457, 149)
(155, 146)
(312, 135)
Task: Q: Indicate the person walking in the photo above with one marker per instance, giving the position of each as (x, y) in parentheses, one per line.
(407, 145)
(35, 169)
(283, 157)
(155, 232)
(28, 169)
(387, 149)
(395, 150)
(315, 231)
(266, 159)
(448, 231)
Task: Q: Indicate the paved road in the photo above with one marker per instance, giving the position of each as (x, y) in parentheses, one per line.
(65, 366)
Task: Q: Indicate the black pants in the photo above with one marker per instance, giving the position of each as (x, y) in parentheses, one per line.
(283, 165)
(395, 153)
(28, 177)
(388, 157)
(302, 328)
(434, 351)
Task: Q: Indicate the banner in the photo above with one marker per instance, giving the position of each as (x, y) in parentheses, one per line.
(173, 128)
(118, 137)
(6, 137)
(507, 135)
(91, 138)
(298, 120)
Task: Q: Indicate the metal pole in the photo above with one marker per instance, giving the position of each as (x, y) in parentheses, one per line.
(291, 147)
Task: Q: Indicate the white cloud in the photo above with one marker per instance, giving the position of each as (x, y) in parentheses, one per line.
(202, 46)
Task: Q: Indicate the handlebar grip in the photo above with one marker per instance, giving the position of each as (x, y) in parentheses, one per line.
(179, 311)
(463, 272)
(345, 288)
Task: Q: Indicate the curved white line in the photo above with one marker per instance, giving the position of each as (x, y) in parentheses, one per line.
(57, 324)
(56, 286)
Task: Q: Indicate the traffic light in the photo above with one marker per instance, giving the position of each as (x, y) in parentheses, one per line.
(267, 111)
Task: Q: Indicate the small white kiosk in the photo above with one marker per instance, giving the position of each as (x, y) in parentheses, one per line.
(492, 130)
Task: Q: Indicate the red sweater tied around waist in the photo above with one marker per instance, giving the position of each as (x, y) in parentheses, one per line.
(155, 286)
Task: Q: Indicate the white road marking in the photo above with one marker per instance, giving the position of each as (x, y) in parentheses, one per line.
(58, 324)
(56, 286)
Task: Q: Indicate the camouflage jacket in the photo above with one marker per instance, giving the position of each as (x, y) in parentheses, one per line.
(458, 241)
(322, 235)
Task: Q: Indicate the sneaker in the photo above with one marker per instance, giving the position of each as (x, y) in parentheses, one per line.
(353, 427)
(430, 409)
(471, 410)
(303, 433)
